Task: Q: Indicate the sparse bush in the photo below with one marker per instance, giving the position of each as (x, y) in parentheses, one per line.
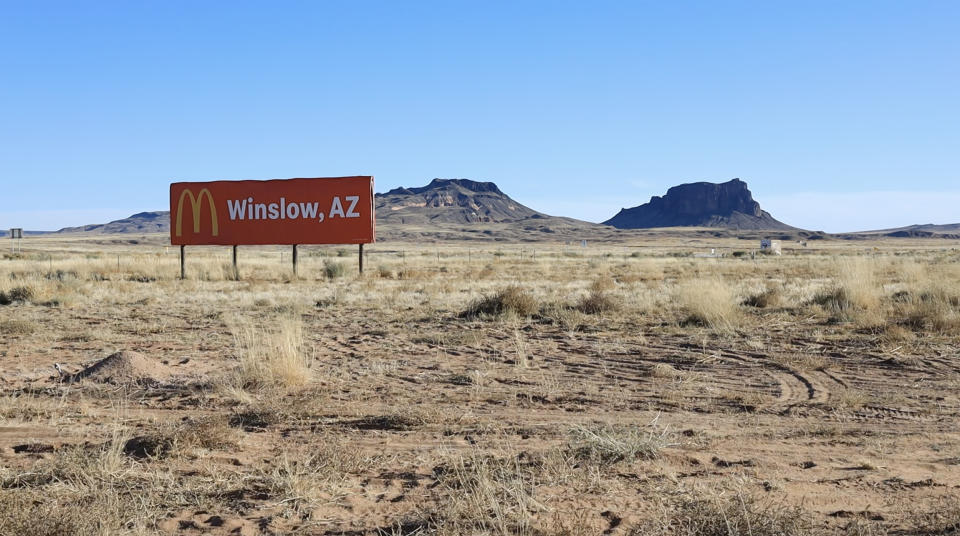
(664, 372)
(16, 327)
(17, 295)
(511, 300)
(603, 283)
(835, 300)
(597, 302)
(609, 445)
(771, 297)
(333, 269)
(270, 358)
(485, 495)
(709, 302)
(737, 515)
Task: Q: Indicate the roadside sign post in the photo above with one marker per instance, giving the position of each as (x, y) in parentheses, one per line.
(294, 260)
(336, 210)
(183, 254)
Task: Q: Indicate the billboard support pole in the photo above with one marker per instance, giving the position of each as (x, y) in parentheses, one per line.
(361, 258)
(183, 255)
(236, 271)
(294, 260)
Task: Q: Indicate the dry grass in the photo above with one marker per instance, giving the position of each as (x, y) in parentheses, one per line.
(709, 302)
(373, 405)
(597, 302)
(607, 445)
(512, 300)
(731, 514)
(271, 357)
(483, 494)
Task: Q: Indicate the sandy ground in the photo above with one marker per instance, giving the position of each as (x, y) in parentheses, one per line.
(789, 407)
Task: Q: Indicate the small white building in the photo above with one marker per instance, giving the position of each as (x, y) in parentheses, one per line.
(770, 246)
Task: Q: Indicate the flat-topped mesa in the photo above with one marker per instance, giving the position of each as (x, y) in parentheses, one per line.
(700, 204)
(450, 201)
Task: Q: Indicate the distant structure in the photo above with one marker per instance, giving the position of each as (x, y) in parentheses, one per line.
(16, 237)
(712, 255)
(770, 247)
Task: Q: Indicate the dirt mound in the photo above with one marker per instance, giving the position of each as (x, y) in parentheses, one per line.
(125, 367)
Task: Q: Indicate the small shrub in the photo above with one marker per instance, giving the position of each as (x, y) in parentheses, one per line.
(771, 297)
(17, 295)
(609, 445)
(270, 358)
(709, 302)
(665, 372)
(603, 283)
(511, 300)
(16, 327)
(597, 302)
(835, 300)
(734, 516)
(333, 270)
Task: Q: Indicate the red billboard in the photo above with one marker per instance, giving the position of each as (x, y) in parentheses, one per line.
(334, 210)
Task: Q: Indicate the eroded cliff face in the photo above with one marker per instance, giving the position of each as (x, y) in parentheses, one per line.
(699, 204)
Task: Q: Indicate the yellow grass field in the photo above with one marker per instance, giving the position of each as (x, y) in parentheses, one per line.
(478, 388)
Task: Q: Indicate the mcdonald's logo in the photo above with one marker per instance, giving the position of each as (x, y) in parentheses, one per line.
(196, 203)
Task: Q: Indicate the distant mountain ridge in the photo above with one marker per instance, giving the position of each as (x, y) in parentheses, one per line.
(700, 204)
(141, 222)
(409, 212)
(926, 230)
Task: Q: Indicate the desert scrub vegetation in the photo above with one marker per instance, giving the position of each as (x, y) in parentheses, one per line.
(512, 300)
(710, 302)
(771, 296)
(271, 356)
(597, 302)
(18, 294)
(485, 494)
(608, 445)
(334, 269)
(730, 514)
(16, 327)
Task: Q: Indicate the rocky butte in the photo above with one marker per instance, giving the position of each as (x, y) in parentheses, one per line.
(727, 205)
(450, 201)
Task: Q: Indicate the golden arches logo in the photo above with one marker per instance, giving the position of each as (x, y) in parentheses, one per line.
(195, 204)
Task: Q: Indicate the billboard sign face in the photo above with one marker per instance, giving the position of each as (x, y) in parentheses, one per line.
(337, 210)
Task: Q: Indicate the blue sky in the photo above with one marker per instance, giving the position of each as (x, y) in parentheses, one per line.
(839, 115)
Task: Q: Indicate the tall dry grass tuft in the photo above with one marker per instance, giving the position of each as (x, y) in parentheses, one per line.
(485, 495)
(271, 357)
(512, 300)
(607, 445)
(709, 302)
(727, 515)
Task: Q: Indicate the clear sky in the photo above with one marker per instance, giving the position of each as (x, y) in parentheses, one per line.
(839, 115)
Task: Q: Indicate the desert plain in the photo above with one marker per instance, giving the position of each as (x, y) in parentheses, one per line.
(470, 387)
